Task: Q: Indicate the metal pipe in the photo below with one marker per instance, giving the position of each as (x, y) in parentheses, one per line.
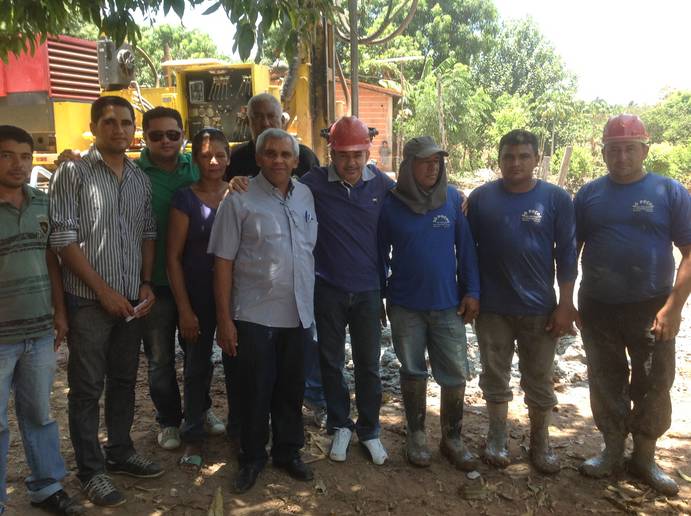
(354, 59)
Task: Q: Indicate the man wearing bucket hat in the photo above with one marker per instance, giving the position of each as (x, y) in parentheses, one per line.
(432, 291)
(523, 228)
(629, 302)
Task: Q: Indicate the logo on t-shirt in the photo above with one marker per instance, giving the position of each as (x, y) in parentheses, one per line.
(643, 206)
(441, 221)
(533, 216)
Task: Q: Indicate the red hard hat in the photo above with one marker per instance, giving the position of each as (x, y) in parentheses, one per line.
(349, 134)
(623, 128)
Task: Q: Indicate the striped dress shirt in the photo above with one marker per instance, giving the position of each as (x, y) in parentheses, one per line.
(107, 218)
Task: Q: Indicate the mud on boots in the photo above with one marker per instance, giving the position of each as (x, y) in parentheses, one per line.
(642, 465)
(496, 452)
(609, 461)
(541, 454)
(414, 393)
(451, 415)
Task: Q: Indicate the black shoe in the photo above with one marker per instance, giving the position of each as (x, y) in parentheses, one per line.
(296, 469)
(60, 503)
(135, 466)
(246, 478)
(101, 491)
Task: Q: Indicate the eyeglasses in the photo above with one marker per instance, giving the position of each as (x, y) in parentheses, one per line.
(157, 136)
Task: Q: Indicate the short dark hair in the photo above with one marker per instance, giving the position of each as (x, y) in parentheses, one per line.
(161, 112)
(519, 137)
(101, 103)
(19, 135)
(214, 135)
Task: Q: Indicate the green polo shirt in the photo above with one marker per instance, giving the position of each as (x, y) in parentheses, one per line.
(26, 310)
(163, 185)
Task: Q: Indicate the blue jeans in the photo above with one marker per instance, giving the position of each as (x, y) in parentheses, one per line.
(314, 391)
(334, 310)
(441, 333)
(159, 345)
(27, 367)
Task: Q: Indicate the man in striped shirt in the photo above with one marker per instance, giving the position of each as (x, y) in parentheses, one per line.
(103, 227)
(31, 307)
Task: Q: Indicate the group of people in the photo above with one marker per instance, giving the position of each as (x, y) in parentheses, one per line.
(276, 264)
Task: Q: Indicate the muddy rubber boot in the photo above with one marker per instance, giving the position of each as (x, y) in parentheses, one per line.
(541, 455)
(610, 461)
(415, 402)
(451, 415)
(496, 453)
(642, 465)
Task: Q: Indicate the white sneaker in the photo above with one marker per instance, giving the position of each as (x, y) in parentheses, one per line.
(169, 438)
(376, 451)
(339, 445)
(213, 425)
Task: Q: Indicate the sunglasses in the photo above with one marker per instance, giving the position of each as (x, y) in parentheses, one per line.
(157, 136)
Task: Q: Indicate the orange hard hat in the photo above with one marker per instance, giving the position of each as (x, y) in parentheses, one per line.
(349, 134)
(624, 128)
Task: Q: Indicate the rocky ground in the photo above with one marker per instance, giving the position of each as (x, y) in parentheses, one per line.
(358, 487)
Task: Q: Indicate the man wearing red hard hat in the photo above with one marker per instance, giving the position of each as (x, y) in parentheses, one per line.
(629, 301)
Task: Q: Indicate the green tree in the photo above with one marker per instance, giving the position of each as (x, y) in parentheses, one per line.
(510, 112)
(670, 119)
(22, 22)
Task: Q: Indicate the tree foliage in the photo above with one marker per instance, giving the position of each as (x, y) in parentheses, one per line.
(670, 120)
(23, 23)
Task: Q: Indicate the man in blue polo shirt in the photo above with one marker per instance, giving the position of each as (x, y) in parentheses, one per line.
(348, 196)
(629, 302)
(433, 290)
(522, 226)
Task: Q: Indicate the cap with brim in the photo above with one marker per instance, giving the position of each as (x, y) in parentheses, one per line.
(422, 147)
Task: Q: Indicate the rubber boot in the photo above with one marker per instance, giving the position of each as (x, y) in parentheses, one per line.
(414, 393)
(496, 452)
(541, 455)
(642, 465)
(451, 414)
(610, 461)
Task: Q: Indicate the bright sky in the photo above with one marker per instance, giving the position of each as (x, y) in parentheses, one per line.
(621, 50)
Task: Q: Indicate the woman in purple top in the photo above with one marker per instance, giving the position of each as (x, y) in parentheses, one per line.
(190, 272)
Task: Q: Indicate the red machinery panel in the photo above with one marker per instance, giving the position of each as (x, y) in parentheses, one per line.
(64, 67)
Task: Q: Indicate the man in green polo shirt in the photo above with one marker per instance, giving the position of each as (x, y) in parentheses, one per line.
(32, 306)
(168, 169)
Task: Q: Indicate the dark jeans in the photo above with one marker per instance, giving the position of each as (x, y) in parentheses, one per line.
(609, 332)
(159, 345)
(198, 372)
(498, 337)
(103, 349)
(334, 310)
(269, 374)
(314, 391)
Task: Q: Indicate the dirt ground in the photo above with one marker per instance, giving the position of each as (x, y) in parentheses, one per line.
(358, 487)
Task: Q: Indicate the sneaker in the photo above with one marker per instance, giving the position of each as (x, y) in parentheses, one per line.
(60, 503)
(135, 466)
(101, 491)
(212, 424)
(319, 417)
(376, 451)
(339, 445)
(169, 438)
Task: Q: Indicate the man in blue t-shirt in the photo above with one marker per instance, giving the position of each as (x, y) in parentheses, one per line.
(433, 290)
(627, 222)
(522, 226)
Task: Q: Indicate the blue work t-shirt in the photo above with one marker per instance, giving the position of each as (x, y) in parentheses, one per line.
(519, 237)
(346, 255)
(433, 262)
(628, 231)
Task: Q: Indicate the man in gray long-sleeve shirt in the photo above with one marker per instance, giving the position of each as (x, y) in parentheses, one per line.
(264, 286)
